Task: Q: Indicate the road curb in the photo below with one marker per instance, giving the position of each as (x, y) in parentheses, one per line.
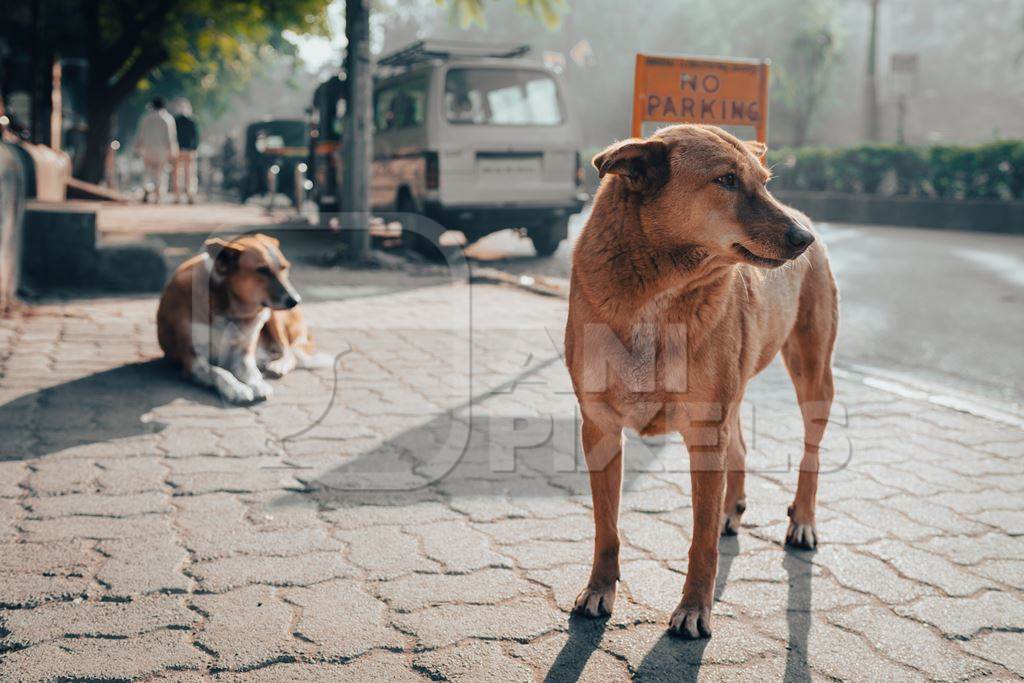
(537, 284)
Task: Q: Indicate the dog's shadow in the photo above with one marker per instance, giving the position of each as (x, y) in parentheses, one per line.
(585, 636)
(798, 613)
(101, 407)
(670, 659)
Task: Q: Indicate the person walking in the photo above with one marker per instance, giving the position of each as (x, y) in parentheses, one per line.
(157, 143)
(184, 169)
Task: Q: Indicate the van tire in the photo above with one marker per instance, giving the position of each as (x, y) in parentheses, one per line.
(419, 234)
(546, 238)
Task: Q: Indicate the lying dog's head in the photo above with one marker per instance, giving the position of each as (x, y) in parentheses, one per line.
(254, 270)
(702, 186)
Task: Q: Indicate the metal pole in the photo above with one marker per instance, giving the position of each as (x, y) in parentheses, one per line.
(300, 187)
(110, 165)
(357, 142)
(272, 173)
(56, 105)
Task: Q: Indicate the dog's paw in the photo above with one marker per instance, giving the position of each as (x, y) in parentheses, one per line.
(801, 534)
(274, 369)
(731, 518)
(261, 391)
(595, 602)
(691, 621)
(237, 393)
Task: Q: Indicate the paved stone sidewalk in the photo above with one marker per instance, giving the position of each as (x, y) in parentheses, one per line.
(432, 522)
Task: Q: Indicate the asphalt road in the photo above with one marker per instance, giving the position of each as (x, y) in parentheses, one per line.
(932, 308)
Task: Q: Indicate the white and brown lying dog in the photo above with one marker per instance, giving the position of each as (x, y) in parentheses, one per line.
(231, 312)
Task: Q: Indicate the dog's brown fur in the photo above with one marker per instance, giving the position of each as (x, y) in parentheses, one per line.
(230, 313)
(686, 282)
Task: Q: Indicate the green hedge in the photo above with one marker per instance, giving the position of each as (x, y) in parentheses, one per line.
(990, 171)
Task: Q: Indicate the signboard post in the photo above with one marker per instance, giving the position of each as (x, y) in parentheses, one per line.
(722, 92)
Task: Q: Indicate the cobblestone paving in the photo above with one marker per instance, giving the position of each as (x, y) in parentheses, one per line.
(431, 522)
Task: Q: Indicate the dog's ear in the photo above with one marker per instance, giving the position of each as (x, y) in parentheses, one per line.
(641, 164)
(756, 147)
(224, 254)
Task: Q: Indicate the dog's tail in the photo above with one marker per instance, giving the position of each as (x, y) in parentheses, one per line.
(306, 355)
(313, 361)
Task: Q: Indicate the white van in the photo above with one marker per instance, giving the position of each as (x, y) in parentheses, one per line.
(477, 139)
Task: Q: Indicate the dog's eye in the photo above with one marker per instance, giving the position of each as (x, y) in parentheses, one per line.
(265, 271)
(728, 181)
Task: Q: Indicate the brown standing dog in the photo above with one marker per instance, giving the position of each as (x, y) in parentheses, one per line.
(231, 312)
(687, 280)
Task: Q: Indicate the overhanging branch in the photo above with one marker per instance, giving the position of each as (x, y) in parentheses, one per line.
(146, 61)
(135, 30)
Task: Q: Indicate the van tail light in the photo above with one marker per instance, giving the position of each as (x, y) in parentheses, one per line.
(432, 173)
(579, 170)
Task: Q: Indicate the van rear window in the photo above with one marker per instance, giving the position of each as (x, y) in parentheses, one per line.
(501, 97)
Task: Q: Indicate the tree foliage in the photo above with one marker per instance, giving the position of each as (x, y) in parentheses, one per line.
(470, 12)
(205, 45)
(209, 40)
(216, 49)
(804, 77)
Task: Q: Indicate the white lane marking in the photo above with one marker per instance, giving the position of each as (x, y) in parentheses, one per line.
(1006, 266)
(900, 384)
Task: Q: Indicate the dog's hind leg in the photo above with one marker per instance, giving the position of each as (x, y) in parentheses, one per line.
(274, 356)
(808, 356)
(603, 452)
(735, 493)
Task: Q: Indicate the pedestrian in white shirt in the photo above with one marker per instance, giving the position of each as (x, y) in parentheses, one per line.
(157, 143)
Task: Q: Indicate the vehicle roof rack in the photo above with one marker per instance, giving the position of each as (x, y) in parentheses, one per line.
(426, 50)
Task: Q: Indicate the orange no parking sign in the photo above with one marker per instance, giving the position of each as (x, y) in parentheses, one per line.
(722, 92)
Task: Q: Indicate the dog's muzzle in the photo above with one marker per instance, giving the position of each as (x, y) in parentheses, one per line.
(798, 239)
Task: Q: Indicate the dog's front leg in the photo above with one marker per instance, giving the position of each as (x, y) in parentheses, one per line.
(227, 385)
(602, 449)
(247, 373)
(692, 618)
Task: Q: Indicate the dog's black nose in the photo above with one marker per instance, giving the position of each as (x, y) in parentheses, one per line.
(292, 301)
(798, 237)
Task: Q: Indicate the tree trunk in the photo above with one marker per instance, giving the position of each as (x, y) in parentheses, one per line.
(872, 125)
(799, 130)
(357, 138)
(42, 98)
(104, 99)
(804, 116)
(39, 64)
(99, 118)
